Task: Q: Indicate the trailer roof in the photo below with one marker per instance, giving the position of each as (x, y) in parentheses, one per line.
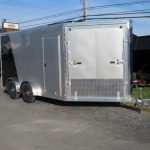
(78, 23)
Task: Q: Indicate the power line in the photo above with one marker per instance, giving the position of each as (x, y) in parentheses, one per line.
(143, 11)
(54, 22)
(126, 17)
(88, 8)
(66, 21)
(119, 4)
(98, 18)
(51, 16)
(135, 12)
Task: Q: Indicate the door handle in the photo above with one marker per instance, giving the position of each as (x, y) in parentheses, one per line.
(74, 63)
(78, 63)
(116, 62)
(112, 62)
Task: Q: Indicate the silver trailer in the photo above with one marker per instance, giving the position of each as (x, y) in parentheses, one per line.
(82, 61)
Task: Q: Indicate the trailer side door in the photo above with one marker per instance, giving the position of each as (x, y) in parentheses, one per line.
(52, 66)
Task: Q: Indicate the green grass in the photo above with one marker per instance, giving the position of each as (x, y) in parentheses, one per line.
(145, 92)
(136, 93)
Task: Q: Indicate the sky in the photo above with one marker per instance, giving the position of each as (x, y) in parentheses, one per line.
(21, 10)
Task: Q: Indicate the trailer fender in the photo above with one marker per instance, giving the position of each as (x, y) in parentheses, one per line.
(35, 89)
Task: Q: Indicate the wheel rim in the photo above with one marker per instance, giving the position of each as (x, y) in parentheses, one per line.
(12, 90)
(27, 93)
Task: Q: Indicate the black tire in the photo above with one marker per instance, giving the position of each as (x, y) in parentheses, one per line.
(27, 93)
(11, 90)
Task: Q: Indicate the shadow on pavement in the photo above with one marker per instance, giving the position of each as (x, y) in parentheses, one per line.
(64, 103)
(87, 104)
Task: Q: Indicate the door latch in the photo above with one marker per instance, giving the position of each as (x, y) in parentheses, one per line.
(116, 62)
(74, 63)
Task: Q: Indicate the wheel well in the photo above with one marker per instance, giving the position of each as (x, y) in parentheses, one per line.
(16, 83)
(36, 91)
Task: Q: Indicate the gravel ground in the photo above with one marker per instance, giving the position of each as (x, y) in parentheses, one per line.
(53, 125)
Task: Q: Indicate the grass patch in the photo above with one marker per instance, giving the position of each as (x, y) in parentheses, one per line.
(146, 109)
(137, 108)
(141, 91)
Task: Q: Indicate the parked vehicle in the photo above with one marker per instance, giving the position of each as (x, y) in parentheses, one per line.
(141, 79)
(81, 61)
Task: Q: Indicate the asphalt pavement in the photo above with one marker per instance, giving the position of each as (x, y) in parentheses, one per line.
(52, 125)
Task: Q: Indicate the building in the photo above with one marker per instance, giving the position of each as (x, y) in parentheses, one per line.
(141, 57)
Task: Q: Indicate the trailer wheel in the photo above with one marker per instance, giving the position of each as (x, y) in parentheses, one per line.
(11, 90)
(27, 93)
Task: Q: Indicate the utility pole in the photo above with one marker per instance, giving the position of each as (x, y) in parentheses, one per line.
(84, 10)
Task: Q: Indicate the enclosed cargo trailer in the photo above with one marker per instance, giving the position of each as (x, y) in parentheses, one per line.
(81, 61)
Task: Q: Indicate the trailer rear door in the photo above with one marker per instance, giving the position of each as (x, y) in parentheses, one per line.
(96, 62)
